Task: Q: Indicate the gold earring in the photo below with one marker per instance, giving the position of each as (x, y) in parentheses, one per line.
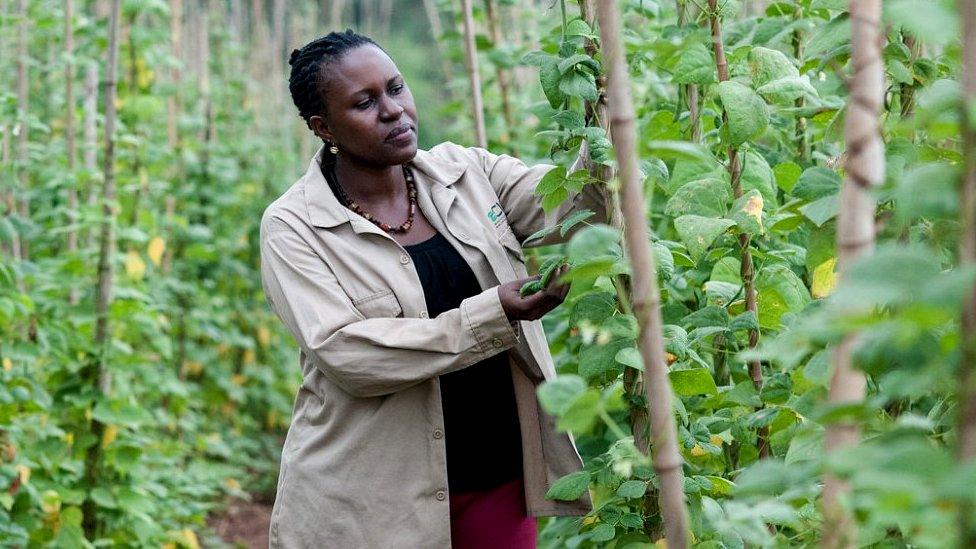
(333, 149)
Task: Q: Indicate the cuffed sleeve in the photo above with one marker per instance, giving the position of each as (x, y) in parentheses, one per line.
(370, 357)
(515, 184)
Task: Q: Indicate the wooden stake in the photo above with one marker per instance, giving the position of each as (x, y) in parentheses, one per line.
(100, 373)
(646, 295)
(471, 57)
(966, 449)
(70, 136)
(855, 238)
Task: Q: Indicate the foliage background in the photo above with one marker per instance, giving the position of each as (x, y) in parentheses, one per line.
(203, 375)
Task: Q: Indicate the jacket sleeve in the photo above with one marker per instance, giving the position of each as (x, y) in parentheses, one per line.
(370, 357)
(515, 184)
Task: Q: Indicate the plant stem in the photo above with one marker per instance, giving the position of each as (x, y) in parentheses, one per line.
(746, 271)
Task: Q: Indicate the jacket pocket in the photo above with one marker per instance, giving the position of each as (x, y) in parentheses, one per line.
(381, 304)
(508, 240)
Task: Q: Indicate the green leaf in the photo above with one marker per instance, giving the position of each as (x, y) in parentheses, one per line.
(550, 78)
(780, 291)
(817, 182)
(756, 174)
(582, 413)
(593, 307)
(707, 317)
(705, 197)
(692, 170)
(777, 389)
(698, 233)
(822, 210)
(930, 21)
(695, 65)
(631, 357)
(787, 175)
(672, 150)
(632, 489)
(552, 200)
(828, 37)
(767, 65)
(899, 72)
(786, 91)
(747, 114)
(593, 241)
(554, 180)
(596, 360)
(744, 321)
(692, 382)
(575, 219)
(747, 213)
(570, 487)
(557, 395)
(603, 532)
(744, 393)
(575, 84)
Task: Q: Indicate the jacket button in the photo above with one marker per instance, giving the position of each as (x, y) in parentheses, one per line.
(438, 434)
(424, 314)
(404, 259)
(441, 495)
(497, 342)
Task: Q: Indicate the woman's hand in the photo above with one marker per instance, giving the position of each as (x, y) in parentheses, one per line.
(534, 306)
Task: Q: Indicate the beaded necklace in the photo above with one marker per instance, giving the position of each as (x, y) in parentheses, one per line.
(352, 205)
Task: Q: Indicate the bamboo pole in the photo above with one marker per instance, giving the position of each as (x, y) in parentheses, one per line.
(23, 109)
(70, 137)
(471, 57)
(436, 31)
(90, 137)
(501, 75)
(100, 374)
(335, 13)
(746, 270)
(966, 450)
(855, 238)
(646, 296)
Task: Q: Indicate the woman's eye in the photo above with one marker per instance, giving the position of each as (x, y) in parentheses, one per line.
(363, 105)
(396, 89)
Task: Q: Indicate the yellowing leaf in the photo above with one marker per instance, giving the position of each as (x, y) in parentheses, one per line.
(8, 364)
(754, 207)
(264, 336)
(192, 367)
(698, 451)
(50, 502)
(238, 379)
(824, 278)
(110, 434)
(248, 356)
(589, 520)
(69, 438)
(135, 267)
(232, 484)
(716, 440)
(156, 248)
(24, 472)
(188, 538)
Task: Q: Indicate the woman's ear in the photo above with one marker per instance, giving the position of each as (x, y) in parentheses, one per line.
(320, 128)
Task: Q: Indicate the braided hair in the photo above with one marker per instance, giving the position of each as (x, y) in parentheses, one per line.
(307, 81)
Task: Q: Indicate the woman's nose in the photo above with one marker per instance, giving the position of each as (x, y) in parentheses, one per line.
(391, 109)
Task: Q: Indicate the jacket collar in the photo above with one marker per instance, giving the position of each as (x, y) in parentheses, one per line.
(325, 210)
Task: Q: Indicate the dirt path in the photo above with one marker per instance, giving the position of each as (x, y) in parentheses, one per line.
(244, 524)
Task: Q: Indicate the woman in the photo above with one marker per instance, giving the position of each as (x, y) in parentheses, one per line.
(398, 272)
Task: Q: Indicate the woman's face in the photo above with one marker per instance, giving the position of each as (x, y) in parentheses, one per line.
(370, 112)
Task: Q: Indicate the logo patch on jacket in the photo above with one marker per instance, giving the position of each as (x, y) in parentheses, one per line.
(496, 215)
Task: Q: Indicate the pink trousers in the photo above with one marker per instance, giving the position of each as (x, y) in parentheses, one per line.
(492, 519)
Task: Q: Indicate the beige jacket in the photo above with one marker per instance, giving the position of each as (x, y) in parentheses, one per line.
(363, 464)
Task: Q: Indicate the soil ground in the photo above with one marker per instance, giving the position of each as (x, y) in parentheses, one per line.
(244, 524)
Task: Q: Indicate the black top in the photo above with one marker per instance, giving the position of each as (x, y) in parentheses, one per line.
(481, 427)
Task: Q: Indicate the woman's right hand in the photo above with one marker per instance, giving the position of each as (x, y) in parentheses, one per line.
(534, 306)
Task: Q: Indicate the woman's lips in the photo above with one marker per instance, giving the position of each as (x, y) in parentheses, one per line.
(400, 134)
